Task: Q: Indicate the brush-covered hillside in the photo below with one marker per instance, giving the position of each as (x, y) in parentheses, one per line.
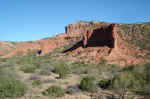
(90, 60)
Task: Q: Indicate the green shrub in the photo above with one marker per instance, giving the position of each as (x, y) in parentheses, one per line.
(134, 79)
(128, 68)
(37, 82)
(62, 69)
(104, 83)
(87, 84)
(3, 59)
(125, 81)
(10, 87)
(28, 68)
(54, 91)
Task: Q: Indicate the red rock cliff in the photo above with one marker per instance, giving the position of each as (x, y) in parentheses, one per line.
(102, 40)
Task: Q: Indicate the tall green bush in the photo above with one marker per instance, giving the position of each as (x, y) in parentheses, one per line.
(62, 69)
(87, 84)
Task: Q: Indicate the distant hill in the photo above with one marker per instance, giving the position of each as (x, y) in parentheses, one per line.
(91, 41)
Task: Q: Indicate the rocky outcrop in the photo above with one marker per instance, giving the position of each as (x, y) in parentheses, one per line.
(94, 33)
(101, 40)
(76, 30)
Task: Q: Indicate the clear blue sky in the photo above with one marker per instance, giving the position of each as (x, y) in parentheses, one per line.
(24, 20)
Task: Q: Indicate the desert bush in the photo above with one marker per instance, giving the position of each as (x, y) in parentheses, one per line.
(28, 68)
(3, 59)
(10, 87)
(87, 84)
(104, 83)
(62, 69)
(134, 79)
(125, 81)
(54, 91)
(104, 67)
(25, 60)
(7, 72)
(128, 68)
(36, 82)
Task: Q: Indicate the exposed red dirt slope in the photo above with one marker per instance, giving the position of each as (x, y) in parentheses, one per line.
(5, 48)
(45, 45)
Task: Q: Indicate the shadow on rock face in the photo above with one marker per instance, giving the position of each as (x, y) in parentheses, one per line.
(77, 45)
(101, 37)
(98, 38)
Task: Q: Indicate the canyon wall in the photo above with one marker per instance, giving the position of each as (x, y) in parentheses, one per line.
(93, 33)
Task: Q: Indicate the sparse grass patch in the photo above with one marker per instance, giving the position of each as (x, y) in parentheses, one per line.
(79, 67)
(134, 79)
(108, 68)
(10, 87)
(46, 70)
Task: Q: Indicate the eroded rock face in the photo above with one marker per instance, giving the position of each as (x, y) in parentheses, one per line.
(93, 34)
(77, 30)
(102, 41)
(101, 36)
